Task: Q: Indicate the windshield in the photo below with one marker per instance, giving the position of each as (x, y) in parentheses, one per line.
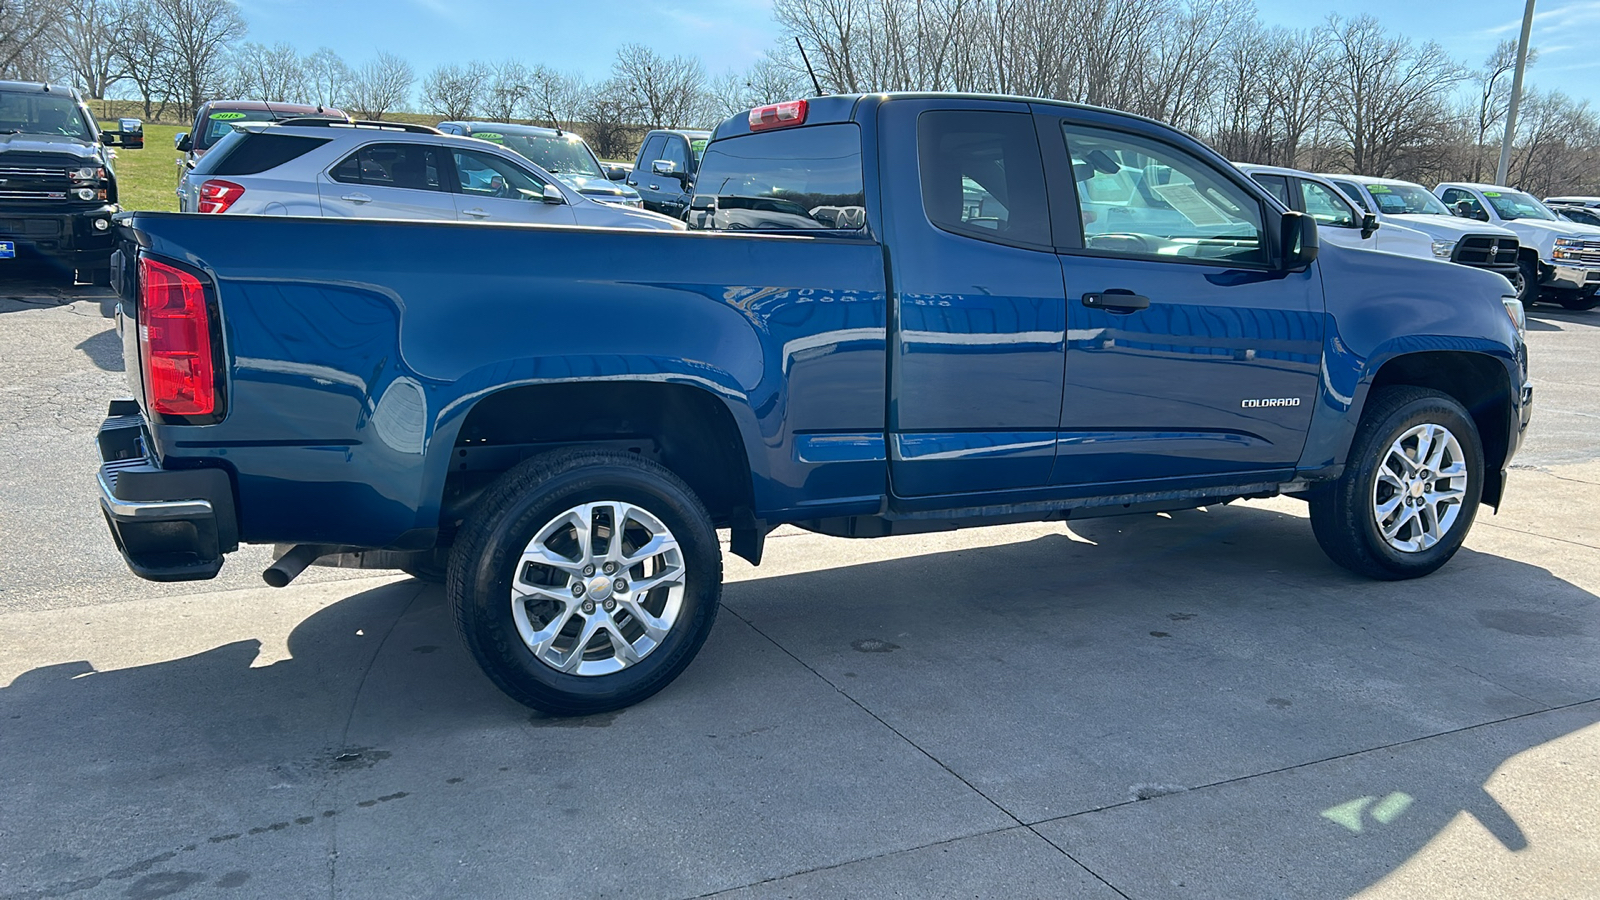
(1406, 200)
(698, 148)
(565, 155)
(37, 113)
(217, 124)
(1517, 205)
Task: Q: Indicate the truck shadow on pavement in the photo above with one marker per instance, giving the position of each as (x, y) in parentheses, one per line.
(1189, 706)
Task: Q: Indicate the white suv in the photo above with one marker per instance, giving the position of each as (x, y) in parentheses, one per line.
(386, 170)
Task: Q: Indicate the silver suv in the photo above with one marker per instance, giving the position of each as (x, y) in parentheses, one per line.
(386, 170)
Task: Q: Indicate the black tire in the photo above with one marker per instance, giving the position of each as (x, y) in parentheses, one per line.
(1527, 282)
(487, 551)
(1342, 513)
(1578, 301)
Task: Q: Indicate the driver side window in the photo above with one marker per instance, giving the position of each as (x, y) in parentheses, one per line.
(1139, 197)
(1325, 206)
(486, 175)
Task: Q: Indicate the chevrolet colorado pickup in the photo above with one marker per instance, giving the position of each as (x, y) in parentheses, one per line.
(894, 313)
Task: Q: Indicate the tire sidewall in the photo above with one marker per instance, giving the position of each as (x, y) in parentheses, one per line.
(1428, 410)
(489, 581)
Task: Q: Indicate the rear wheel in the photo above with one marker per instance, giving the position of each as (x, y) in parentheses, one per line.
(1410, 488)
(585, 581)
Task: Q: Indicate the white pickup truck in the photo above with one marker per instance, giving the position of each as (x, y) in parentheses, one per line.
(1338, 222)
(1469, 243)
(1561, 257)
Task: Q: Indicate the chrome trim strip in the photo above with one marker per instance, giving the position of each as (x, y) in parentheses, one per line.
(149, 509)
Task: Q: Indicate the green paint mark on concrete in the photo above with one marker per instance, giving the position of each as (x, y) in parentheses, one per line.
(1391, 807)
(1348, 814)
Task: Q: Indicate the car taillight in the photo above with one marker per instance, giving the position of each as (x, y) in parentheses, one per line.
(778, 115)
(217, 195)
(175, 341)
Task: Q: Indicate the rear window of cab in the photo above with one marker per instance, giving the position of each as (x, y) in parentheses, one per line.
(797, 179)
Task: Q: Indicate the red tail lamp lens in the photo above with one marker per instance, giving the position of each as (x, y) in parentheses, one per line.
(217, 195)
(175, 341)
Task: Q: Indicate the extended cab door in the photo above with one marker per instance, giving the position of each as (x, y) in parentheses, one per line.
(643, 179)
(977, 309)
(1190, 358)
(389, 181)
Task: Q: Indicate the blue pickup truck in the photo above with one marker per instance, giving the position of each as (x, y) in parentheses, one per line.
(892, 314)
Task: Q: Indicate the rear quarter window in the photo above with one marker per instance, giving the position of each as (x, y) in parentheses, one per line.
(801, 179)
(251, 153)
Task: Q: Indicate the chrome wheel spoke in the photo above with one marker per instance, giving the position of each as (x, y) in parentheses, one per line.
(587, 546)
(1419, 489)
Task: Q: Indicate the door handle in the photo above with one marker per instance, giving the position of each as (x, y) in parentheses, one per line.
(632, 183)
(357, 198)
(476, 213)
(1116, 300)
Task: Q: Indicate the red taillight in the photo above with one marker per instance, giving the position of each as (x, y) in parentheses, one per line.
(217, 195)
(175, 341)
(778, 115)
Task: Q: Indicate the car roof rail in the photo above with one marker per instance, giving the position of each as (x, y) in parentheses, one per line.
(327, 122)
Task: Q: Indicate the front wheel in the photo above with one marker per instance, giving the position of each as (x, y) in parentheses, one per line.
(1527, 282)
(585, 581)
(1409, 490)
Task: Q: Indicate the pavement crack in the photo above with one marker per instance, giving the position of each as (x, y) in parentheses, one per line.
(1538, 535)
(880, 720)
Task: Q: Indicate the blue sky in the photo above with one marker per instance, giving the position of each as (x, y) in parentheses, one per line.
(731, 34)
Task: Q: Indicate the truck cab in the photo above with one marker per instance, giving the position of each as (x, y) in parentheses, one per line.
(664, 172)
(1338, 220)
(1561, 258)
(58, 188)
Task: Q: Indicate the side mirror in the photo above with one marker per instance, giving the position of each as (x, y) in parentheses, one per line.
(1369, 225)
(616, 173)
(182, 143)
(129, 134)
(1299, 239)
(665, 167)
(553, 195)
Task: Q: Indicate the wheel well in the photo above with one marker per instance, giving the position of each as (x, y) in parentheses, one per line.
(1476, 381)
(686, 429)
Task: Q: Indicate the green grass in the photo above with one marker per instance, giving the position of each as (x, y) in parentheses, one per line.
(146, 179)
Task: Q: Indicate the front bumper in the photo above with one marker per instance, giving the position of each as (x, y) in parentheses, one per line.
(1571, 277)
(169, 524)
(65, 236)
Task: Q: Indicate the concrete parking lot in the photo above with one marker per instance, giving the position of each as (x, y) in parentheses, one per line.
(1190, 706)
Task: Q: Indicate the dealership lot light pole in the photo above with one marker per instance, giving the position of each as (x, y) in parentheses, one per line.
(1503, 170)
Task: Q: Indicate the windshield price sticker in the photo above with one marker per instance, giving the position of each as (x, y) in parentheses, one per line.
(227, 116)
(493, 136)
(1491, 193)
(1378, 188)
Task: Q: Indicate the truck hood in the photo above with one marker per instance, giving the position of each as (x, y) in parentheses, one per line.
(598, 188)
(56, 144)
(1542, 235)
(1448, 228)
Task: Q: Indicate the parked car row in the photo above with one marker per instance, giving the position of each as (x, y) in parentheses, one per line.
(1548, 252)
(342, 168)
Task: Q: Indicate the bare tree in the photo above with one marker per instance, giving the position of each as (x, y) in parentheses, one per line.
(455, 91)
(1492, 96)
(274, 74)
(81, 43)
(661, 92)
(24, 25)
(196, 35)
(606, 113)
(327, 78)
(380, 86)
(139, 48)
(1389, 97)
(507, 93)
(555, 99)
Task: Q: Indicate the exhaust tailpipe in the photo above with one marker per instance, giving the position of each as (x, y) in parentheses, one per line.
(291, 564)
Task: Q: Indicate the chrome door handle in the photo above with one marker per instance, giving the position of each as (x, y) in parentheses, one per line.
(655, 187)
(476, 212)
(357, 198)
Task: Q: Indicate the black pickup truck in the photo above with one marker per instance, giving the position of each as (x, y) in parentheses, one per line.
(57, 187)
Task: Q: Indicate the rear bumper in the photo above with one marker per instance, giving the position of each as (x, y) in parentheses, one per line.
(169, 525)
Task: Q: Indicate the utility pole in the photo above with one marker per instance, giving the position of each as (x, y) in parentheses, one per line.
(1503, 171)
